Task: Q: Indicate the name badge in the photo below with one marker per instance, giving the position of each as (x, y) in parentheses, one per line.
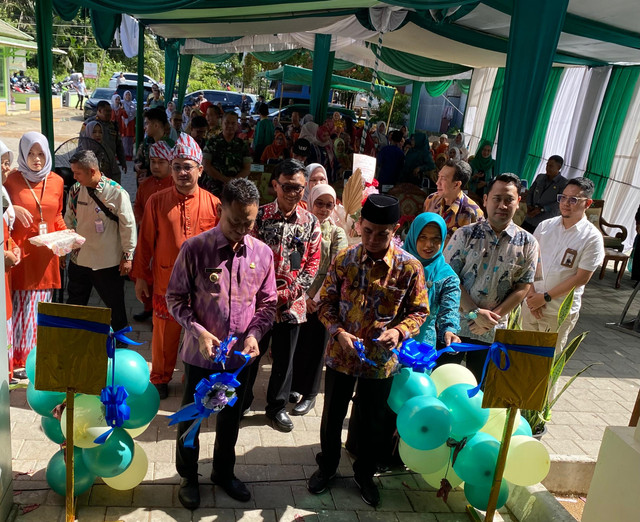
(569, 258)
(42, 228)
(214, 274)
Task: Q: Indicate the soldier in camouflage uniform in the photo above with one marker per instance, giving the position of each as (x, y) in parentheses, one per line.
(225, 157)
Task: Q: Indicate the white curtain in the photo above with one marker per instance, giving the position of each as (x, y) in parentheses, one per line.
(477, 105)
(560, 121)
(622, 193)
(129, 30)
(584, 120)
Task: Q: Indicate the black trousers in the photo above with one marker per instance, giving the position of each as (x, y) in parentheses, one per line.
(308, 359)
(109, 285)
(227, 427)
(369, 408)
(283, 338)
(474, 360)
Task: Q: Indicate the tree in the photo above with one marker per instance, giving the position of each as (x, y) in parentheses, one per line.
(400, 110)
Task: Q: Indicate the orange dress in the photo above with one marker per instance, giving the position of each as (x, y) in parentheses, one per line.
(147, 188)
(39, 267)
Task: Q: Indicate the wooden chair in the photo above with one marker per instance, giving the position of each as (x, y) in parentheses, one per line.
(594, 214)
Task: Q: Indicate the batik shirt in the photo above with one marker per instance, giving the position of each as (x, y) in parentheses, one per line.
(490, 266)
(463, 211)
(365, 297)
(297, 237)
(228, 157)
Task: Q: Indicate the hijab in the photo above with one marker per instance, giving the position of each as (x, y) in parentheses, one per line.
(115, 106)
(28, 140)
(340, 155)
(129, 105)
(310, 168)
(321, 190)
(4, 149)
(435, 268)
(419, 154)
(88, 130)
(307, 118)
(278, 148)
(323, 129)
(480, 163)
(308, 132)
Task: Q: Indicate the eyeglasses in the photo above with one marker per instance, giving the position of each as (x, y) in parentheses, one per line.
(572, 200)
(185, 168)
(291, 187)
(319, 204)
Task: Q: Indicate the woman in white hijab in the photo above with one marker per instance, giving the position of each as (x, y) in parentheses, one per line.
(458, 142)
(128, 129)
(316, 174)
(313, 337)
(36, 193)
(308, 132)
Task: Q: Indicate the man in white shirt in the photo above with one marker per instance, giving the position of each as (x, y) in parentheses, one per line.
(571, 248)
(100, 211)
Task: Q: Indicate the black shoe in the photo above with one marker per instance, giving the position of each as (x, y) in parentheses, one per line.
(281, 421)
(20, 374)
(319, 482)
(189, 494)
(368, 490)
(294, 397)
(304, 407)
(163, 390)
(233, 487)
(143, 316)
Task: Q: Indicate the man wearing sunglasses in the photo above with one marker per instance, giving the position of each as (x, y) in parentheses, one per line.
(294, 236)
(571, 248)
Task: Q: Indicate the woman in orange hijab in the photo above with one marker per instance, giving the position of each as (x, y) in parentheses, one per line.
(277, 150)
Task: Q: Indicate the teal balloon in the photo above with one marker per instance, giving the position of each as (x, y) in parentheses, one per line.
(523, 428)
(408, 384)
(42, 402)
(478, 494)
(424, 423)
(476, 462)
(112, 457)
(467, 414)
(143, 407)
(56, 474)
(132, 371)
(30, 366)
(51, 428)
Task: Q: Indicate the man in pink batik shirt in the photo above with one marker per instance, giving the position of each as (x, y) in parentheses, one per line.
(223, 283)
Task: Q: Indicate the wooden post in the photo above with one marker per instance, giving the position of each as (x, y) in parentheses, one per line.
(512, 414)
(70, 515)
(393, 100)
(635, 414)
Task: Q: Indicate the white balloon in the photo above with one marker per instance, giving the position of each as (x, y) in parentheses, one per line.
(134, 432)
(495, 423)
(133, 475)
(88, 421)
(528, 461)
(450, 374)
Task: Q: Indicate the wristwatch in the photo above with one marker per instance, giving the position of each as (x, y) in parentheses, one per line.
(547, 297)
(473, 314)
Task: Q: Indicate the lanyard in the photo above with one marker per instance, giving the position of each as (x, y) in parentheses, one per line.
(44, 186)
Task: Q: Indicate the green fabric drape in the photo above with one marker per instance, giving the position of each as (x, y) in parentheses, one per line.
(491, 120)
(44, 39)
(392, 79)
(542, 124)
(435, 89)
(104, 27)
(342, 65)
(171, 54)
(122, 6)
(613, 112)
(274, 56)
(66, 10)
(220, 39)
(140, 89)
(183, 77)
(323, 59)
(533, 38)
(417, 65)
(415, 104)
(214, 58)
(464, 85)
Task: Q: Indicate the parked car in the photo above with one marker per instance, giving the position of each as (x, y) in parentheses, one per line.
(284, 115)
(132, 79)
(106, 93)
(230, 100)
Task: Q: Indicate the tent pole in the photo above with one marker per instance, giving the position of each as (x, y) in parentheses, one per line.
(44, 39)
(393, 101)
(415, 105)
(281, 93)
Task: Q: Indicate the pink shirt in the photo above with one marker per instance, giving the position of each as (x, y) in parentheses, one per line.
(241, 302)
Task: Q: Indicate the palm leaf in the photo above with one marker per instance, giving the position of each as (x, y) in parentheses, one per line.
(565, 308)
(562, 358)
(515, 319)
(569, 383)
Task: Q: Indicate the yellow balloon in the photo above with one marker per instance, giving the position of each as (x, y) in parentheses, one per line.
(495, 423)
(88, 421)
(133, 475)
(134, 432)
(450, 374)
(424, 461)
(528, 461)
(433, 479)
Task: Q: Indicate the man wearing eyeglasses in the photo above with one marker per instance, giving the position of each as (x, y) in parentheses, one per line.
(294, 236)
(155, 100)
(170, 217)
(571, 248)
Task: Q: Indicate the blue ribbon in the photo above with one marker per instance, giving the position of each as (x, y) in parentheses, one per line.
(494, 355)
(359, 346)
(200, 408)
(222, 353)
(419, 356)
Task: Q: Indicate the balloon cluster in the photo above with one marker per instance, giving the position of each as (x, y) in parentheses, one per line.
(120, 461)
(447, 436)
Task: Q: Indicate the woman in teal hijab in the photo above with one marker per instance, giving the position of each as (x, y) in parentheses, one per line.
(481, 168)
(425, 241)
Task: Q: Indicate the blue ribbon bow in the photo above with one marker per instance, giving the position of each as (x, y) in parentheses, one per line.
(419, 356)
(222, 353)
(359, 346)
(207, 400)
